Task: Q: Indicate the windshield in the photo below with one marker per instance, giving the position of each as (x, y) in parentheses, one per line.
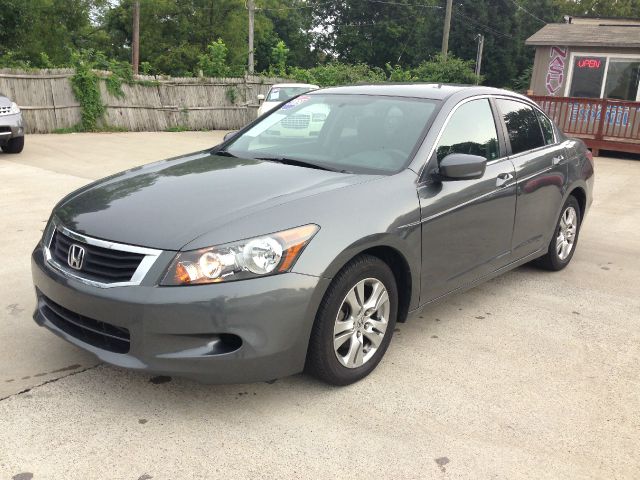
(355, 133)
(280, 94)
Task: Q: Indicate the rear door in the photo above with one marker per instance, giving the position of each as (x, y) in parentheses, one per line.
(466, 224)
(541, 170)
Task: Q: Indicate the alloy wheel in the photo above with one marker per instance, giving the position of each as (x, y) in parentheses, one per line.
(567, 233)
(361, 323)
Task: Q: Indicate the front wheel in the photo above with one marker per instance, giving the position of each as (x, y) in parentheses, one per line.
(354, 323)
(565, 239)
(15, 145)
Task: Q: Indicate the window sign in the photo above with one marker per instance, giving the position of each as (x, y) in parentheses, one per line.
(594, 63)
(588, 75)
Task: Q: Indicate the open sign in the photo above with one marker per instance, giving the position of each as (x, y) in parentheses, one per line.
(589, 63)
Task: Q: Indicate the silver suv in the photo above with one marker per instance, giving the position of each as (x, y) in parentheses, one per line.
(11, 126)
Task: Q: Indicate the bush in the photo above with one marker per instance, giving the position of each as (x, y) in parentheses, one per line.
(10, 59)
(446, 70)
(338, 74)
(438, 69)
(398, 74)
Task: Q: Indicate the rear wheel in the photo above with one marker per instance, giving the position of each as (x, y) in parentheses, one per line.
(354, 323)
(565, 239)
(15, 145)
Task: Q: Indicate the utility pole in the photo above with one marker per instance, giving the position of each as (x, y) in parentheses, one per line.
(480, 39)
(251, 6)
(447, 28)
(135, 41)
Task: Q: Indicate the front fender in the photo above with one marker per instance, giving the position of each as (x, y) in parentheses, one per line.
(364, 217)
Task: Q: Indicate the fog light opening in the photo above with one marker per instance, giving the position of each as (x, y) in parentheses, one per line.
(231, 342)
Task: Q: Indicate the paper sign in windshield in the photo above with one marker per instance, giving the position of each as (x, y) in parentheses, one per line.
(295, 102)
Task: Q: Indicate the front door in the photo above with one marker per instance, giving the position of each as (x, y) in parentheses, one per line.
(467, 224)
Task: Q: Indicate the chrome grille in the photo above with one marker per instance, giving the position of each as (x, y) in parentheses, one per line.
(296, 122)
(100, 264)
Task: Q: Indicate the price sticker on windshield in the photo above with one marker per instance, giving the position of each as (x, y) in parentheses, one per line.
(295, 102)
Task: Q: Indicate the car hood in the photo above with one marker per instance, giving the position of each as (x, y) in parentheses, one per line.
(167, 204)
(268, 106)
(4, 101)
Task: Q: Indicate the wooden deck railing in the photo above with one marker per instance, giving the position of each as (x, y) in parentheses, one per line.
(617, 129)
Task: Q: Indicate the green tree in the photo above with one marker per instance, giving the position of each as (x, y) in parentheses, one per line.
(279, 55)
(54, 27)
(376, 33)
(214, 62)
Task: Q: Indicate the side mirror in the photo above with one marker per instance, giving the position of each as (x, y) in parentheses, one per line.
(460, 166)
(230, 135)
(260, 96)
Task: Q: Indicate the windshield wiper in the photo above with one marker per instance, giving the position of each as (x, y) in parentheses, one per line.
(301, 163)
(224, 153)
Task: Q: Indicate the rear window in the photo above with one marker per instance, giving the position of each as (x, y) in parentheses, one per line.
(547, 128)
(522, 125)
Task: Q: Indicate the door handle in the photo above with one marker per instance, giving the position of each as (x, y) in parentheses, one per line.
(558, 159)
(503, 178)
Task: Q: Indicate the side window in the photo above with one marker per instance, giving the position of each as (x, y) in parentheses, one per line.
(522, 125)
(472, 130)
(547, 128)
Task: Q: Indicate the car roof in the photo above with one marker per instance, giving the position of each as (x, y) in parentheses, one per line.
(309, 85)
(433, 91)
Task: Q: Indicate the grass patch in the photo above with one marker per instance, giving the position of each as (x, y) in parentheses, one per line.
(177, 128)
(78, 129)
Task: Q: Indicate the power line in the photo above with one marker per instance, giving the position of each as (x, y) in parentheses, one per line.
(486, 28)
(385, 2)
(422, 5)
(406, 42)
(298, 7)
(527, 11)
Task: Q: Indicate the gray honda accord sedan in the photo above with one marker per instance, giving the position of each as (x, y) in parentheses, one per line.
(299, 242)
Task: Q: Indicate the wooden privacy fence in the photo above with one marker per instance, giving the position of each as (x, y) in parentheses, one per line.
(602, 123)
(152, 104)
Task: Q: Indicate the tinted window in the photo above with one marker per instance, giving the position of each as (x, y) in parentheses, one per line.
(623, 78)
(470, 130)
(547, 128)
(522, 125)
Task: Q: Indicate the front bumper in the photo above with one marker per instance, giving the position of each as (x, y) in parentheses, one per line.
(177, 330)
(11, 126)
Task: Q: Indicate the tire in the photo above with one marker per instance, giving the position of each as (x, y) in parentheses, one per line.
(359, 328)
(15, 145)
(557, 257)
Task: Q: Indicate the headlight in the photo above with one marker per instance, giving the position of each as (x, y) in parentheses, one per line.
(254, 257)
(14, 108)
